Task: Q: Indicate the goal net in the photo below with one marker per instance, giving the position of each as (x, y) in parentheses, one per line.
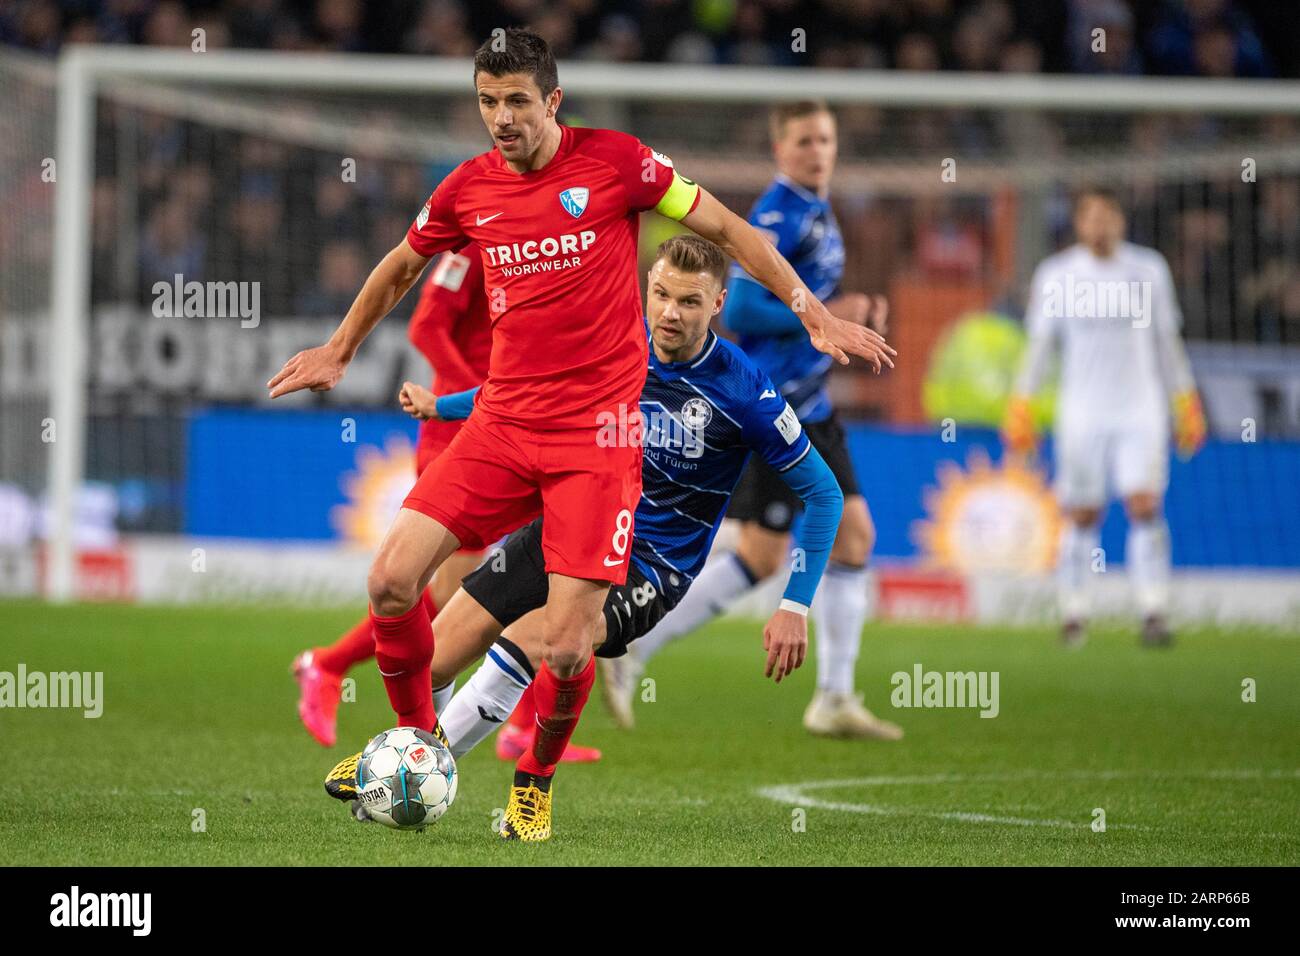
(228, 206)
(26, 241)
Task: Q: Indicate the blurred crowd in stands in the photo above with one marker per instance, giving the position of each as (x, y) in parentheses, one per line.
(1164, 37)
(178, 197)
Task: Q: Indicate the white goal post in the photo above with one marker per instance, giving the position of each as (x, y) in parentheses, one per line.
(84, 72)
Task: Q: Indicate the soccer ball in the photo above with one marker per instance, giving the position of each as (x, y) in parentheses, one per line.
(406, 778)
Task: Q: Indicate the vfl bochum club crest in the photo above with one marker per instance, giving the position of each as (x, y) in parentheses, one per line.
(574, 200)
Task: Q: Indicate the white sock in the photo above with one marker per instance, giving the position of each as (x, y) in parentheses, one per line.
(717, 586)
(1074, 569)
(487, 699)
(1148, 565)
(442, 696)
(839, 611)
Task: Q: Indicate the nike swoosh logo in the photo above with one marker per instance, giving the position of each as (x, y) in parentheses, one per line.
(479, 220)
(486, 716)
(613, 564)
(384, 673)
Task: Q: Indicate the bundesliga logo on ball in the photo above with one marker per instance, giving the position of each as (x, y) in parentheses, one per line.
(406, 778)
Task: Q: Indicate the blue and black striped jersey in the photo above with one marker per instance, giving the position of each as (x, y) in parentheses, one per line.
(701, 419)
(803, 228)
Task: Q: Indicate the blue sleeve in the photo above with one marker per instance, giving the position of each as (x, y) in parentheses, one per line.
(768, 424)
(456, 406)
(752, 310)
(771, 428)
(812, 481)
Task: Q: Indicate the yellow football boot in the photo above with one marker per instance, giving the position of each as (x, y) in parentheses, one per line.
(528, 814)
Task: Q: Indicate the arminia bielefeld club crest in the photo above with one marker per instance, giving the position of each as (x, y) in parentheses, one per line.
(574, 200)
(696, 414)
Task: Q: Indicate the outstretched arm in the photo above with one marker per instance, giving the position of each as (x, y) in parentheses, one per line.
(321, 368)
(836, 337)
(752, 310)
(785, 638)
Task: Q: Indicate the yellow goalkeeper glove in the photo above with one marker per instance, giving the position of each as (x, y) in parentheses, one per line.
(1018, 426)
(1189, 423)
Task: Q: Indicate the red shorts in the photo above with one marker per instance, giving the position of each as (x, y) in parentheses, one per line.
(497, 476)
(433, 440)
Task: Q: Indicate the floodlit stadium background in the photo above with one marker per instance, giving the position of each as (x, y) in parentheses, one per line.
(196, 488)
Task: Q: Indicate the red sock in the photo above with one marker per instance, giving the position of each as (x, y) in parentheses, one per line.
(525, 711)
(404, 651)
(352, 648)
(358, 644)
(559, 705)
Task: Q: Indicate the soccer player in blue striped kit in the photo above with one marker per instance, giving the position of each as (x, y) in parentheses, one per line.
(795, 214)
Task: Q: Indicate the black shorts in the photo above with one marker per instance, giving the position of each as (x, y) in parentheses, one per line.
(513, 582)
(762, 496)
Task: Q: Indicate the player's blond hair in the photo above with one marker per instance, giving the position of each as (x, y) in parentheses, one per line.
(688, 253)
(783, 113)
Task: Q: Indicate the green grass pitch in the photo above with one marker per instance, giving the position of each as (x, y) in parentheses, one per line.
(199, 715)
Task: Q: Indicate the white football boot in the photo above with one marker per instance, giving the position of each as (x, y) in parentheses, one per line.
(619, 679)
(837, 714)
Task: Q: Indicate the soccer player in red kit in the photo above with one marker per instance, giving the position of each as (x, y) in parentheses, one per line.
(451, 328)
(555, 211)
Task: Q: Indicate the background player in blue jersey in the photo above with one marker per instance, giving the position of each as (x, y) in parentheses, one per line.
(795, 213)
(704, 408)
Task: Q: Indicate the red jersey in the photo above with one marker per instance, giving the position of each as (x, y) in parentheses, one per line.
(450, 325)
(559, 248)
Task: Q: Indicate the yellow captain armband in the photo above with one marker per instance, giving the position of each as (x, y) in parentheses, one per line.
(680, 199)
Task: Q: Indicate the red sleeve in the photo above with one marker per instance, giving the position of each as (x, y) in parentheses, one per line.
(644, 173)
(436, 227)
(654, 174)
(473, 296)
(445, 299)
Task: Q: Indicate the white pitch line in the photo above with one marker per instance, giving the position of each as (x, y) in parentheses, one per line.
(795, 795)
(799, 794)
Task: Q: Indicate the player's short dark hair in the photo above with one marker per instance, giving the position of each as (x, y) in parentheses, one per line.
(783, 113)
(514, 50)
(1094, 191)
(694, 254)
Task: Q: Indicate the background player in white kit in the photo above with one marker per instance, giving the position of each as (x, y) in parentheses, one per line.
(1108, 308)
